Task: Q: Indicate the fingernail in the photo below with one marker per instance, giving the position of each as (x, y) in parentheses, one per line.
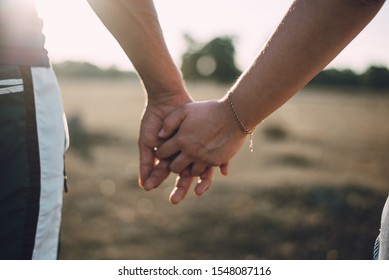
(161, 133)
(202, 191)
(148, 185)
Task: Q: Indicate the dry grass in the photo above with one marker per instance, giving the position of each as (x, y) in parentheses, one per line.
(313, 188)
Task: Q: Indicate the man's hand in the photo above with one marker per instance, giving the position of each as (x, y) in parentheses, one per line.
(153, 172)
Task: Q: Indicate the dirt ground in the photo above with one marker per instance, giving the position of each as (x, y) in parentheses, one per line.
(314, 187)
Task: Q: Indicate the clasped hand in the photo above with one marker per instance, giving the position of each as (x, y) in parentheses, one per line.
(189, 140)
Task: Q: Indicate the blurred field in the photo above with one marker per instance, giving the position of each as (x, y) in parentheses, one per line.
(314, 187)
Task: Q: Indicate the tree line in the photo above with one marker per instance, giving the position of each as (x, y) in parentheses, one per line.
(375, 77)
(219, 54)
(215, 61)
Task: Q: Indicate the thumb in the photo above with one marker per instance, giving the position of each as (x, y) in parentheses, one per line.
(172, 122)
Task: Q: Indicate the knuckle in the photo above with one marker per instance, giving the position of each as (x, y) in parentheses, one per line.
(182, 141)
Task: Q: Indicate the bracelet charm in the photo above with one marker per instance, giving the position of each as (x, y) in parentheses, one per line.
(241, 125)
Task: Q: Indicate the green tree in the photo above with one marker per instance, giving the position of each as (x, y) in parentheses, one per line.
(336, 77)
(376, 77)
(214, 60)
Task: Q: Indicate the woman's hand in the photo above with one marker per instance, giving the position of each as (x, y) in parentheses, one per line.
(202, 134)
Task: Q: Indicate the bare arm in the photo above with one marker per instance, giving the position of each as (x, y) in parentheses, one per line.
(135, 26)
(311, 34)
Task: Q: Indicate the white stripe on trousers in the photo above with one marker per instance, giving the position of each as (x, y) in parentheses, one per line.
(384, 234)
(51, 134)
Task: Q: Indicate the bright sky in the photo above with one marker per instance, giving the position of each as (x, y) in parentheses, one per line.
(73, 32)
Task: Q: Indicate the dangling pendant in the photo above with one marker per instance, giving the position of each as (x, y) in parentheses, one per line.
(251, 145)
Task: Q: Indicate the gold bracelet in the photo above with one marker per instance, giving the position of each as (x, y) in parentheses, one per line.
(241, 125)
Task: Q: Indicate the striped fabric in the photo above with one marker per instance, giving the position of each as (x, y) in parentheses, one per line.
(376, 249)
(381, 246)
(11, 86)
(32, 146)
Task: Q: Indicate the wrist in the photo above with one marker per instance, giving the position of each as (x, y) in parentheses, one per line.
(164, 81)
(237, 115)
(173, 96)
(166, 89)
(238, 121)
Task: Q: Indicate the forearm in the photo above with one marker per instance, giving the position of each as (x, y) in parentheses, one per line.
(135, 26)
(312, 33)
